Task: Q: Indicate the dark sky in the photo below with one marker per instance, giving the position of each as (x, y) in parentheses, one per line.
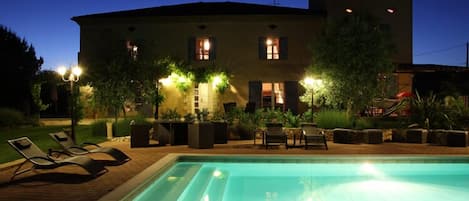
(441, 27)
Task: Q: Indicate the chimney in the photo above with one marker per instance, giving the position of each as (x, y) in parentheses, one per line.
(317, 5)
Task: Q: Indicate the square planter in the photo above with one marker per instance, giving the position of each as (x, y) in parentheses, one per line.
(172, 132)
(220, 132)
(437, 137)
(348, 136)
(398, 135)
(201, 135)
(139, 135)
(179, 133)
(416, 136)
(373, 136)
(457, 138)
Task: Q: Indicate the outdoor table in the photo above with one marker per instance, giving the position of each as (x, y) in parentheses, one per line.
(293, 133)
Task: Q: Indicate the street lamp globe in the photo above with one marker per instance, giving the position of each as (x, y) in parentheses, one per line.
(62, 70)
(76, 71)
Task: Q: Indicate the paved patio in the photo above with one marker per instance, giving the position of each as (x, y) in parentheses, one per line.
(64, 184)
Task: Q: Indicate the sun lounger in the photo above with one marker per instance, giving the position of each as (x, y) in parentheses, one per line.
(41, 160)
(274, 135)
(70, 147)
(313, 136)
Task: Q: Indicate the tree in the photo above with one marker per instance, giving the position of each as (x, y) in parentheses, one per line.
(112, 84)
(352, 53)
(149, 75)
(18, 68)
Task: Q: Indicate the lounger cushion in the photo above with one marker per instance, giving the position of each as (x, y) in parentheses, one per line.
(22, 144)
(61, 136)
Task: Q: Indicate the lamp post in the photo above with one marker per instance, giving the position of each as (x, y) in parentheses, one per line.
(311, 83)
(73, 76)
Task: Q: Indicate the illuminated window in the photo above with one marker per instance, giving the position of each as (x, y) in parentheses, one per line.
(202, 49)
(273, 95)
(272, 48)
(132, 49)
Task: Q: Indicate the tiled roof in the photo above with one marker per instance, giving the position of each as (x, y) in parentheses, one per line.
(201, 8)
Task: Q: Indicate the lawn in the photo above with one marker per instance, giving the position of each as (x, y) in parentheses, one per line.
(40, 137)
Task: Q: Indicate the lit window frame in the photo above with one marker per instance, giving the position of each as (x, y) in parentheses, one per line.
(132, 49)
(272, 45)
(276, 94)
(202, 48)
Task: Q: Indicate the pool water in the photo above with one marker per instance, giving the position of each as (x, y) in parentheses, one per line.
(322, 181)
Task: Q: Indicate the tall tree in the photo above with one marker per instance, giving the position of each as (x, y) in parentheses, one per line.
(149, 74)
(18, 68)
(112, 83)
(352, 53)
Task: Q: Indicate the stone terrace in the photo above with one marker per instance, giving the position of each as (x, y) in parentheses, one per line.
(65, 184)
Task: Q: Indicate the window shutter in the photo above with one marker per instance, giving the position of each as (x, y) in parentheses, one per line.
(255, 92)
(191, 49)
(213, 48)
(262, 48)
(283, 48)
(291, 96)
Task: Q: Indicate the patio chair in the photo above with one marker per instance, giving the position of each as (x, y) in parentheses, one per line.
(70, 147)
(41, 160)
(313, 136)
(274, 135)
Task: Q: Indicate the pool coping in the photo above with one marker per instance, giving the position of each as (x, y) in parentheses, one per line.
(133, 185)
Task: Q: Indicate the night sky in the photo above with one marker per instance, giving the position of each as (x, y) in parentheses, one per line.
(441, 28)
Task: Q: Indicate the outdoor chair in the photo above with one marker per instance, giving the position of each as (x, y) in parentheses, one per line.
(313, 136)
(70, 147)
(274, 135)
(41, 160)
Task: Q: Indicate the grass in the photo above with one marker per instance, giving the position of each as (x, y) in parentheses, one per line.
(332, 119)
(39, 135)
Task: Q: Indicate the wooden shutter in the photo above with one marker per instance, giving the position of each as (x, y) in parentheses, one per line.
(291, 96)
(213, 45)
(255, 92)
(191, 49)
(283, 48)
(262, 48)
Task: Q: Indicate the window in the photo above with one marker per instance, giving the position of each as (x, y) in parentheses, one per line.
(202, 49)
(273, 48)
(273, 95)
(132, 49)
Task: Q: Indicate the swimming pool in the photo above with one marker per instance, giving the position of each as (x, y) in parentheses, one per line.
(267, 178)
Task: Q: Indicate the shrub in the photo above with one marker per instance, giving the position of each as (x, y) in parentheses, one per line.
(332, 119)
(170, 114)
(363, 123)
(233, 115)
(291, 120)
(389, 122)
(10, 117)
(427, 111)
(273, 115)
(307, 116)
(98, 128)
(122, 128)
(246, 125)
